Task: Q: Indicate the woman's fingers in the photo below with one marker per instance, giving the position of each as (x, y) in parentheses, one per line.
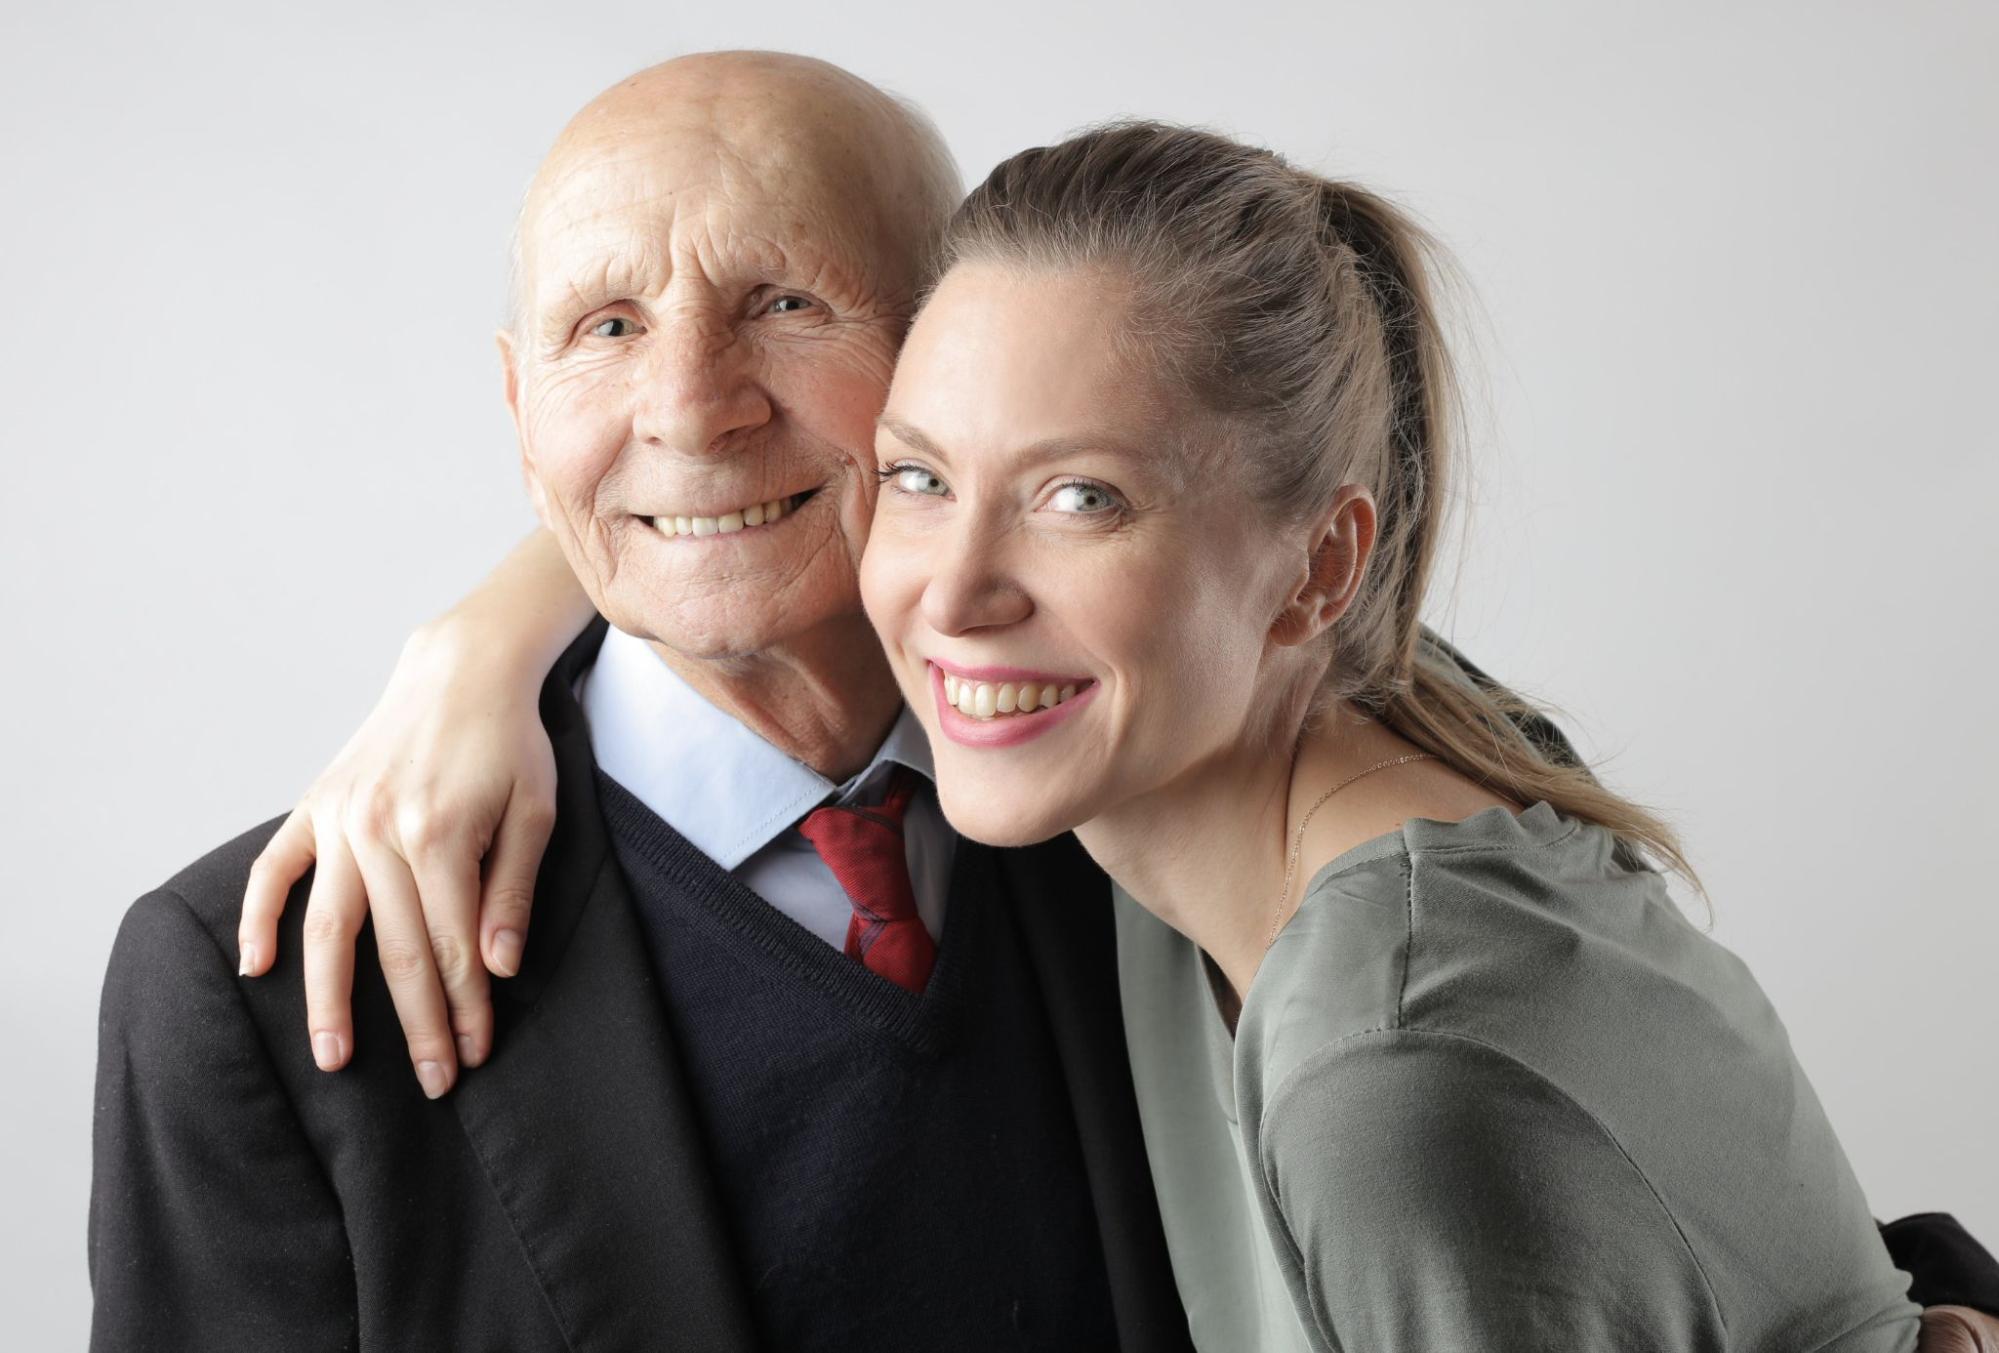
(446, 872)
(508, 894)
(334, 911)
(1958, 1329)
(402, 942)
(282, 863)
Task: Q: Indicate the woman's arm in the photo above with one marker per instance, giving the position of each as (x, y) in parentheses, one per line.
(450, 769)
(1433, 1193)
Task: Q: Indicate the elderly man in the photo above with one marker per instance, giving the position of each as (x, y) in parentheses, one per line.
(702, 1125)
(783, 1064)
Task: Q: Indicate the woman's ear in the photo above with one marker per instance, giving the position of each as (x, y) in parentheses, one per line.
(1340, 544)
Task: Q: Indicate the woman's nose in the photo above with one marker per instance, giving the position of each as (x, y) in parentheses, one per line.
(973, 586)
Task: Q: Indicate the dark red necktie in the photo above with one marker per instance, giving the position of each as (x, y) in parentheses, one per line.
(863, 847)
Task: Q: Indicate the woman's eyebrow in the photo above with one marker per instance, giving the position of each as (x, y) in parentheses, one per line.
(1050, 448)
(909, 435)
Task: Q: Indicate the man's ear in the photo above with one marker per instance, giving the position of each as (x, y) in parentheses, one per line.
(510, 375)
(1342, 541)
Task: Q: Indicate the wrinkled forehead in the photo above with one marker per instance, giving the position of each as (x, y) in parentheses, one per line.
(630, 211)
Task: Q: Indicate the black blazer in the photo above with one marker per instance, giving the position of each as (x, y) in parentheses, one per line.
(558, 1198)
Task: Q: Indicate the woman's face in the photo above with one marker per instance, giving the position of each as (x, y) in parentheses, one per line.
(1049, 534)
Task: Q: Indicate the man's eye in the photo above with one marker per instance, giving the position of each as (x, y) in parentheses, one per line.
(614, 327)
(1083, 498)
(785, 305)
(916, 479)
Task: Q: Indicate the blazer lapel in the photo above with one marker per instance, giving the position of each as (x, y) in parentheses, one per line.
(1061, 903)
(581, 1119)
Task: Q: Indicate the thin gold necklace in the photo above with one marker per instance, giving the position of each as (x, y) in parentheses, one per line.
(1298, 844)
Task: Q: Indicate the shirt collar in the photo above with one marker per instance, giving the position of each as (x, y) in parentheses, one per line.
(720, 785)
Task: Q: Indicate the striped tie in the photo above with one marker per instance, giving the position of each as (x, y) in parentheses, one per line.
(864, 849)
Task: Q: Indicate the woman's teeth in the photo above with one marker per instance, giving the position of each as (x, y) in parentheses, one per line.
(983, 700)
(756, 514)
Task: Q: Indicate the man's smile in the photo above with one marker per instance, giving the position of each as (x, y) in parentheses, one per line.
(734, 520)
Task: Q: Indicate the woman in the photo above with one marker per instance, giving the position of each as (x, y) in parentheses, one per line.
(1425, 1055)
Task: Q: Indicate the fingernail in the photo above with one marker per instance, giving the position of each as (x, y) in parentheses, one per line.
(465, 1047)
(247, 960)
(507, 952)
(431, 1076)
(326, 1050)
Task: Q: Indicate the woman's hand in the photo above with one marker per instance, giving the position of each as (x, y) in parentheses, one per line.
(1958, 1329)
(451, 768)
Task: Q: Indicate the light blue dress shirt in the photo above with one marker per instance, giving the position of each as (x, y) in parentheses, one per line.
(738, 799)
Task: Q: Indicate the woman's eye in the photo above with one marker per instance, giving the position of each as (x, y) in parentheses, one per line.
(1083, 499)
(614, 327)
(916, 479)
(785, 305)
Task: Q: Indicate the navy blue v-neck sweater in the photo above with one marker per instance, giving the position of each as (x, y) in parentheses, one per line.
(900, 1171)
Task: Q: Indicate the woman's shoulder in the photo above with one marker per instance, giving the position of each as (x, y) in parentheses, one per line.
(1534, 1041)
(1520, 931)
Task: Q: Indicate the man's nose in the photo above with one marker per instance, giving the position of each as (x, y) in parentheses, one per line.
(696, 385)
(973, 584)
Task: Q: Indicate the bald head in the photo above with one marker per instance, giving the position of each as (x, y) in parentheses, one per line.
(869, 172)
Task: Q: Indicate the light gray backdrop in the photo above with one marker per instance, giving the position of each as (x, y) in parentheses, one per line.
(1735, 472)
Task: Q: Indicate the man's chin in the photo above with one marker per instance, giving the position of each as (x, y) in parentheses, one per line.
(704, 647)
(729, 631)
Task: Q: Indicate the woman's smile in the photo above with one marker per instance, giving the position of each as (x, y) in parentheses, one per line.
(1003, 706)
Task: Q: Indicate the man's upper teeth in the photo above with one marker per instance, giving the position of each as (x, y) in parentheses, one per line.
(986, 700)
(756, 514)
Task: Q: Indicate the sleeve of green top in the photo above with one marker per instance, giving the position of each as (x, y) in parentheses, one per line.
(1436, 1193)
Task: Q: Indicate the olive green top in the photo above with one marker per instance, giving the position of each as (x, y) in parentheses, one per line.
(1490, 1090)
